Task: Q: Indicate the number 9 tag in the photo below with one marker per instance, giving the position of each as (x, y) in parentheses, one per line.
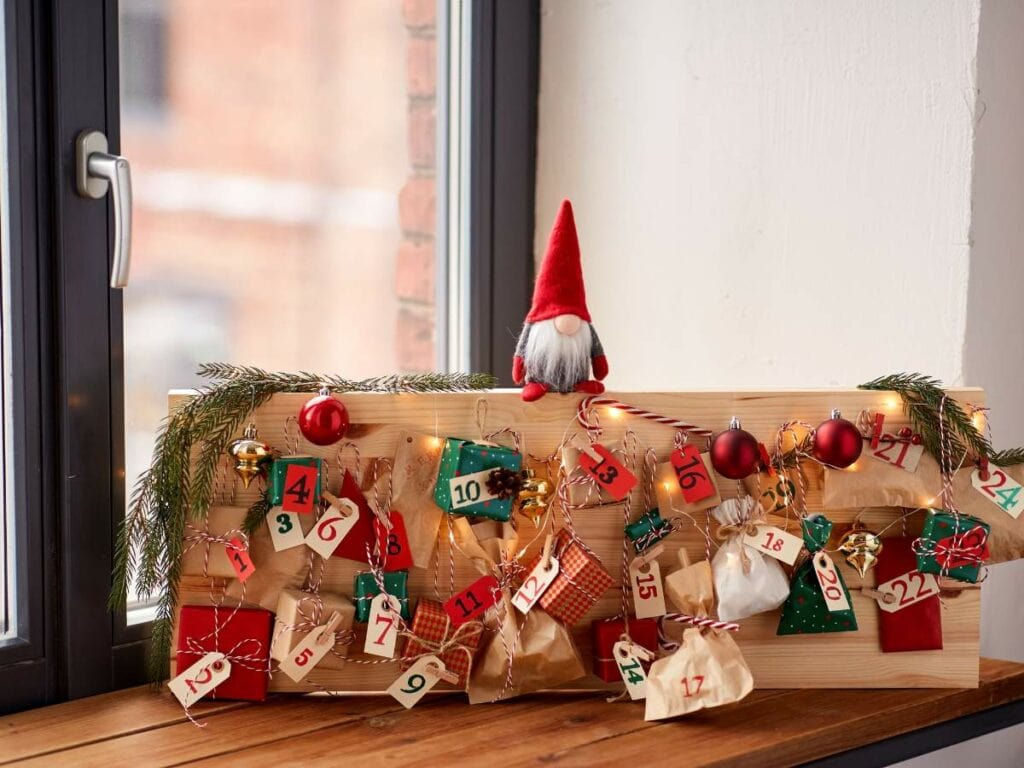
(413, 684)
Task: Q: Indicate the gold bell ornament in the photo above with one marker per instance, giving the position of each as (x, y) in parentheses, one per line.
(249, 454)
(534, 496)
(861, 548)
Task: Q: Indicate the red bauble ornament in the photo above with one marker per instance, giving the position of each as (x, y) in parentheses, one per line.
(837, 442)
(323, 420)
(734, 453)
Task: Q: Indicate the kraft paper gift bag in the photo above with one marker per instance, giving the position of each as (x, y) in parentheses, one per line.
(415, 473)
(690, 588)
(275, 571)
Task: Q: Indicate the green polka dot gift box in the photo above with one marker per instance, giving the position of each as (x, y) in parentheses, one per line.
(475, 467)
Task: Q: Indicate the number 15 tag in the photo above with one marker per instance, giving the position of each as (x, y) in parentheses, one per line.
(648, 596)
(610, 473)
(416, 681)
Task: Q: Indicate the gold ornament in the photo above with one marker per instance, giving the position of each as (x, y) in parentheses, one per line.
(861, 548)
(534, 496)
(249, 454)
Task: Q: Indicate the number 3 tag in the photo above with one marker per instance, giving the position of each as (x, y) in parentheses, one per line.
(906, 590)
(775, 542)
(609, 472)
(329, 530)
(828, 580)
(414, 683)
(382, 627)
(648, 596)
(1001, 490)
(540, 578)
(285, 529)
(201, 678)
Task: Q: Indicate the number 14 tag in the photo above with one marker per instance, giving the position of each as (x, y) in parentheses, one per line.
(1001, 490)
(629, 658)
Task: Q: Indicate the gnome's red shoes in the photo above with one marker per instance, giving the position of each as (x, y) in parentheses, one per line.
(590, 387)
(534, 391)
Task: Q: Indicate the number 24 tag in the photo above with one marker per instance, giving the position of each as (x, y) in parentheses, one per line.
(1001, 490)
(609, 472)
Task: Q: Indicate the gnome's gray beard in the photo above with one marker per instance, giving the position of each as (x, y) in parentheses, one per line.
(555, 359)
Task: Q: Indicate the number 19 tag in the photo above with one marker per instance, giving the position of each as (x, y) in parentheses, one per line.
(610, 474)
(533, 587)
(285, 529)
(382, 627)
(629, 658)
(201, 678)
(648, 595)
(775, 542)
(1001, 490)
(416, 681)
(828, 580)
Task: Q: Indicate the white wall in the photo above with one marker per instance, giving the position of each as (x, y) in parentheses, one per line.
(781, 194)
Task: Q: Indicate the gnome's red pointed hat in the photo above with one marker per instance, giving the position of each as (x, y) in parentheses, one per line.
(559, 289)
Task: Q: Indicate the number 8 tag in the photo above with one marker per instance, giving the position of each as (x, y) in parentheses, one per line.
(413, 684)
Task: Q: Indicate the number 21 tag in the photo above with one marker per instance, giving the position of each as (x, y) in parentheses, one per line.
(327, 532)
(416, 681)
(285, 529)
(899, 453)
(201, 678)
(775, 542)
(609, 472)
(1001, 490)
(533, 587)
(382, 627)
(828, 580)
(648, 595)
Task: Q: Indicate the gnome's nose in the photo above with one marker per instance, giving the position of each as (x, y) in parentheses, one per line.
(567, 325)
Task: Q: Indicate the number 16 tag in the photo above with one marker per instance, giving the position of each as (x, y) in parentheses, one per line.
(610, 473)
(201, 678)
(413, 684)
(775, 542)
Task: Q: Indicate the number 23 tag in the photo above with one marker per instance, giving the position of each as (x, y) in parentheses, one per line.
(610, 474)
(1001, 490)
(201, 678)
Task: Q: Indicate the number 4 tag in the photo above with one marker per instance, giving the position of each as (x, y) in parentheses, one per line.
(1001, 490)
(201, 678)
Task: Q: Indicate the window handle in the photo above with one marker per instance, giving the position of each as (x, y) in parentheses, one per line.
(95, 172)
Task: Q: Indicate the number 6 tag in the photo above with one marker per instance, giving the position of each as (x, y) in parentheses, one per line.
(416, 681)
(201, 678)
(382, 627)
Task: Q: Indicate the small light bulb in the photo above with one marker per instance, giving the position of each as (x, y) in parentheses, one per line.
(891, 404)
(667, 486)
(979, 421)
(930, 502)
(615, 413)
(435, 441)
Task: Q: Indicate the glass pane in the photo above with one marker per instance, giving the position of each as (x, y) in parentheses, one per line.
(283, 158)
(7, 532)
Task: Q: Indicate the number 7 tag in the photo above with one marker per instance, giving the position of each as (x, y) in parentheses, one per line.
(382, 627)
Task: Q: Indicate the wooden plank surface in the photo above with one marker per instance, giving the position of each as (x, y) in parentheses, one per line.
(776, 662)
(768, 728)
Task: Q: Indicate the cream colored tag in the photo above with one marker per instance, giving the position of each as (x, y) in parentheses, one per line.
(413, 684)
(648, 594)
(201, 678)
(334, 526)
(469, 489)
(285, 529)
(533, 587)
(629, 658)
(1001, 490)
(912, 587)
(828, 580)
(776, 543)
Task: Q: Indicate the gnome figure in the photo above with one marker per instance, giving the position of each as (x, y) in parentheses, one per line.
(558, 344)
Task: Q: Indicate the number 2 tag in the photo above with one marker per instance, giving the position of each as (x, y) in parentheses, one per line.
(238, 554)
(201, 678)
(469, 489)
(692, 474)
(473, 600)
(413, 684)
(393, 545)
(1001, 490)
(307, 654)
(629, 658)
(648, 595)
(907, 589)
(285, 529)
(609, 472)
(300, 488)
(533, 587)
(899, 453)
(828, 580)
(327, 532)
(775, 542)
(382, 627)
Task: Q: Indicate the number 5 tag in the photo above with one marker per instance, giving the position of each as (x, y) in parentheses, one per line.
(307, 654)
(414, 683)
(201, 678)
(1001, 490)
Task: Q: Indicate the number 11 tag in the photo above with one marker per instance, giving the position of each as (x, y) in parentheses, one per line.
(629, 658)
(473, 601)
(201, 678)
(382, 627)
(775, 542)
(828, 580)
(648, 595)
(413, 684)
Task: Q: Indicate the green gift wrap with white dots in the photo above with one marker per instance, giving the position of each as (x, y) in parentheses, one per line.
(461, 457)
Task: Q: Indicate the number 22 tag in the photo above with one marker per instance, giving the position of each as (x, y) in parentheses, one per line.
(416, 681)
(382, 627)
(906, 590)
(775, 542)
(533, 587)
(828, 580)
(1001, 490)
(609, 472)
(201, 678)
(648, 595)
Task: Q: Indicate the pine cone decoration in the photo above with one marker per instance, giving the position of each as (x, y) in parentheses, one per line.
(504, 483)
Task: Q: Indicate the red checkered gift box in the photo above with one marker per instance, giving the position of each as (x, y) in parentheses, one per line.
(434, 634)
(580, 582)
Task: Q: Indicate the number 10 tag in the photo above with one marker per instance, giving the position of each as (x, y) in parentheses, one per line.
(629, 658)
(413, 684)
(201, 678)
(828, 580)
(469, 489)
(775, 542)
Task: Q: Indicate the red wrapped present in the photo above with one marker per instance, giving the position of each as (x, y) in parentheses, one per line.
(580, 582)
(605, 633)
(242, 634)
(435, 634)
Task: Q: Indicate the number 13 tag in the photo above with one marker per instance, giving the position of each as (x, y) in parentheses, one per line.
(201, 678)
(416, 681)
(828, 580)
(648, 596)
(609, 472)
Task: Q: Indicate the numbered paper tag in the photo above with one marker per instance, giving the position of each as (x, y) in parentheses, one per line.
(906, 590)
(1001, 490)
(629, 658)
(382, 626)
(540, 578)
(779, 493)
(609, 473)
(473, 600)
(414, 683)
(775, 542)
(393, 545)
(238, 554)
(327, 532)
(201, 678)
(285, 529)
(897, 452)
(648, 595)
(307, 654)
(828, 580)
(469, 489)
(692, 474)
(299, 488)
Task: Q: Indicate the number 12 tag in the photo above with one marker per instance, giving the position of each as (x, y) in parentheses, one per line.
(629, 658)
(828, 580)
(382, 627)
(533, 587)
(775, 542)
(201, 678)
(285, 529)
(648, 595)
(414, 683)
(692, 474)
(473, 600)
(1001, 490)
(329, 530)
(609, 472)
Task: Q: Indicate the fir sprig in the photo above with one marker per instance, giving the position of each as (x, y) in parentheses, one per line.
(176, 489)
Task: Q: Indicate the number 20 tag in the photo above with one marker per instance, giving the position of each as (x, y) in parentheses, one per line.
(609, 472)
(416, 681)
(533, 587)
(1001, 490)
(201, 678)
(828, 580)
(775, 542)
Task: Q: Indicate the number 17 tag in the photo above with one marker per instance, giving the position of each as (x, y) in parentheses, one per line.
(413, 684)
(609, 473)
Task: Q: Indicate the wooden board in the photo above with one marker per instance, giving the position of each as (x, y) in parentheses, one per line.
(847, 660)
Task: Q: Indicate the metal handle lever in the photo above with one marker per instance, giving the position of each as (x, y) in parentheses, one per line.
(97, 171)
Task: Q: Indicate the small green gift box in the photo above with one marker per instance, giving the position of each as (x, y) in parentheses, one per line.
(952, 545)
(395, 582)
(648, 530)
(303, 492)
(472, 465)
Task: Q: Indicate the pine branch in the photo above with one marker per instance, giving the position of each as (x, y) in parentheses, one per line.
(258, 511)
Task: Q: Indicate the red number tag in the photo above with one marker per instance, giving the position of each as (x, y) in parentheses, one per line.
(299, 488)
(692, 474)
(608, 471)
(473, 600)
(239, 557)
(393, 546)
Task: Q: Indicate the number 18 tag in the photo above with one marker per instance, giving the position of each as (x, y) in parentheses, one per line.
(382, 627)
(648, 595)
(416, 681)
(775, 542)
(201, 678)
(1001, 490)
(610, 473)
(629, 658)
(533, 587)
(828, 580)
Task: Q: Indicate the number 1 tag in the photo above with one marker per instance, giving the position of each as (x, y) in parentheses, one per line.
(629, 658)
(285, 529)
(201, 678)
(469, 489)
(1001, 490)
(329, 530)
(238, 554)
(910, 588)
(382, 627)
(307, 654)
(828, 580)
(533, 587)
(775, 542)
(648, 595)
(609, 472)
(473, 600)
(300, 484)
(692, 474)
(413, 684)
